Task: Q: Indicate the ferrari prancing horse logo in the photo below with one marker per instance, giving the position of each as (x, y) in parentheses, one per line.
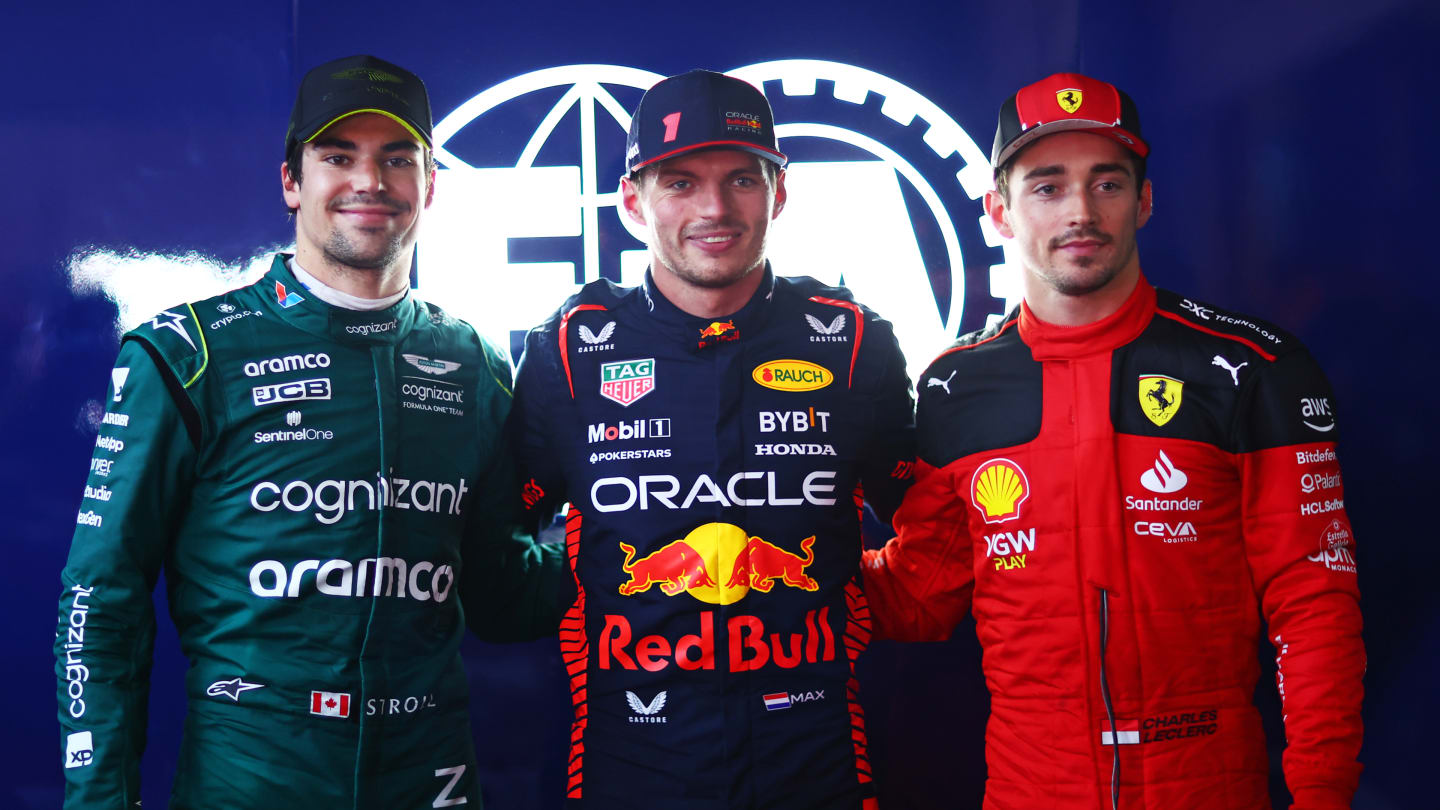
(1160, 397)
(1069, 99)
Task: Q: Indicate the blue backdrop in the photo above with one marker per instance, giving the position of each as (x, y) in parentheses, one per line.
(1293, 179)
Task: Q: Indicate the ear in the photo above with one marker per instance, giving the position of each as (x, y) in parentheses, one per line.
(430, 189)
(630, 198)
(996, 209)
(289, 185)
(779, 193)
(1143, 212)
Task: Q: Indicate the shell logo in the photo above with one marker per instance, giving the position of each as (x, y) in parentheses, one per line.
(998, 489)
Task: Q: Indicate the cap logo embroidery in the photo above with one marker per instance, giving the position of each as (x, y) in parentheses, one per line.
(1069, 99)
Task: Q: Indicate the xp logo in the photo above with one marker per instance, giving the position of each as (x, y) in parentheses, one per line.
(544, 205)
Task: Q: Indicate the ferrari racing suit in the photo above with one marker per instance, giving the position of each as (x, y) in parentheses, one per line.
(714, 470)
(1118, 504)
(323, 488)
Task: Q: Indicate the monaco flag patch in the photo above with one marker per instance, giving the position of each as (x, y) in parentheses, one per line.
(330, 704)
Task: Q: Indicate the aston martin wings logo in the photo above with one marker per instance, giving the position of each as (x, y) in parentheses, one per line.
(819, 325)
(638, 706)
(592, 338)
(425, 364)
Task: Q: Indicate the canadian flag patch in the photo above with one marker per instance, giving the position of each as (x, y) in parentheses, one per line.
(330, 704)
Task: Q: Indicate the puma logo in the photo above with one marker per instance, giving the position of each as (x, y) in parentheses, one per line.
(1234, 370)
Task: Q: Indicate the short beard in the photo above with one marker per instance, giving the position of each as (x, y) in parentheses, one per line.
(1077, 287)
(341, 251)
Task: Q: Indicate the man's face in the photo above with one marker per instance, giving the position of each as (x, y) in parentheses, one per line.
(1073, 211)
(363, 186)
(707, 214)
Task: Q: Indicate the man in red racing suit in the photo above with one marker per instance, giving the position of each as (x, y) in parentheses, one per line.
(1118, 481)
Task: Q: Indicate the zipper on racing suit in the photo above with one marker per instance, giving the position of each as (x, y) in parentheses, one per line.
(1109, 706)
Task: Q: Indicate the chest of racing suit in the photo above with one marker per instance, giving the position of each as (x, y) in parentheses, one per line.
(714, 470)
(1119, 504)
(311, 480)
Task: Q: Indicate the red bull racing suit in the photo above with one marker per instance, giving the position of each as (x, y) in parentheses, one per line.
(714, 470)
(1118, 504)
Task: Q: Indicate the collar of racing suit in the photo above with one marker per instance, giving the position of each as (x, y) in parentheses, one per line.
(1050, 342)
(289, 300)
(747, 320)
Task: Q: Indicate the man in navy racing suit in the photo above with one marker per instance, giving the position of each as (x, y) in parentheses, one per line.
(714, 431)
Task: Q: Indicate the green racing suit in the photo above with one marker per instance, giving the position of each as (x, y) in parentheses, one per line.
(311, 479)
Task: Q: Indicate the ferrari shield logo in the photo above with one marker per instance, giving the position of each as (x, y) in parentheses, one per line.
(1160, 397)
(1069, 99)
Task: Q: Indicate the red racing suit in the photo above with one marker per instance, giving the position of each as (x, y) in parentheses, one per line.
(1118, 504)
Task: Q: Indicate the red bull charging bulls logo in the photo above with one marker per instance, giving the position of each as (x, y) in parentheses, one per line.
(718, 563)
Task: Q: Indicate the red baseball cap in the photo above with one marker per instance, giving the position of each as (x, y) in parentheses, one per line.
(1066, 101)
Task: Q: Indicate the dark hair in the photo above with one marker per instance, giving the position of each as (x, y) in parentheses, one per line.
(1002, 174)
(296, 159)
(643, 176)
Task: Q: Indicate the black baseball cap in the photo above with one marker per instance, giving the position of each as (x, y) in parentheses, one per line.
(701, 109)
(1066, 101)
(358, 84)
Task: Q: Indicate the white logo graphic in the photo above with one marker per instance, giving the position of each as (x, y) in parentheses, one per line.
(225, 308)
(1234, 370)
(292, 418)
(384, 576)
(819, 325)
(231, 688)
(171, 320)
(1317, 408)
(79, 749)
(333, 498)
(290, 362)
(425, 364)
(445, 799)
(1163, 477)
(945, 383)
(318, 388)
(592, 338)
(1203, 313)
(1311, 482)
(118, 376)
(646, 713)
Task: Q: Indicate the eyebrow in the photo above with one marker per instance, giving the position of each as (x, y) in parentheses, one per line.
(338, 143)
(1057, 169)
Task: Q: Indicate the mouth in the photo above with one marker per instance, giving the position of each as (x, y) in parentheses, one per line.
(714, 242)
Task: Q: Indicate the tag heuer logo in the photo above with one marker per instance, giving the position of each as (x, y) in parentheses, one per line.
(627, 381)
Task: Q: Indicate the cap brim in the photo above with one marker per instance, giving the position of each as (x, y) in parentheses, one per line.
(1103, 128)
(755, 149)
(409, 127)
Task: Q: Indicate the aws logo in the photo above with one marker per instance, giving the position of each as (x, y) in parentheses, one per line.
(718, 563)
(998, 489)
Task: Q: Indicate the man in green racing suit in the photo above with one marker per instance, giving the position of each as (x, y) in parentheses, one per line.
(317, 462)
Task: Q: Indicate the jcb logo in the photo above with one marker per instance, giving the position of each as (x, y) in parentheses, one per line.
(318, 388)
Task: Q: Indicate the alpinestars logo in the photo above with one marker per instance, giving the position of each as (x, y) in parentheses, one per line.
(643, 712)
(830, 333)
(231, 688)
(171, 320)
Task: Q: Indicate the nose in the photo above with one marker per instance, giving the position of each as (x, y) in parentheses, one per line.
(712, 200)
(1080, 209)
(367, 177)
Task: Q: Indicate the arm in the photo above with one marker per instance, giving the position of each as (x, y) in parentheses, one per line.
(887, 468)
(139, 482)
(920, 584)
(513, 588)
(1303, 570)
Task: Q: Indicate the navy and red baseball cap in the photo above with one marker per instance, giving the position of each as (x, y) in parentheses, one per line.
(358, 84)
(1061, 102)
(701, 109)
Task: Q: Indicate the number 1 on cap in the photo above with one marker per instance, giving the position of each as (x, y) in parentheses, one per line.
(672, 123)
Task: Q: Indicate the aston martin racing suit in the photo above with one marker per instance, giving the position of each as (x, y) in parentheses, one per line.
(1117, 504)
(312, 480)
(714, 470)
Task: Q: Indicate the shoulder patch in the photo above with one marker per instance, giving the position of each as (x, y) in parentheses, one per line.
(1267, 339)
(178, 337)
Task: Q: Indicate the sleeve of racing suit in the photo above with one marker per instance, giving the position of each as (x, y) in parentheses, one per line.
(538, 380)
(887, 468)
(1300, 550)
(513, 588)
(138, 486)
(920, 584)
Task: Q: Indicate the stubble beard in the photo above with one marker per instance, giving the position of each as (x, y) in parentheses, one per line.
(712, 278)
(340, 250)
(1087, 281)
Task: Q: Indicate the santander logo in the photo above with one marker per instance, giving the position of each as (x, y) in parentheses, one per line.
(1164, 477)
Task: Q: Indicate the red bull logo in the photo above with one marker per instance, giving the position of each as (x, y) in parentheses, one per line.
(718, 563)
(719, 332)
(749, 646)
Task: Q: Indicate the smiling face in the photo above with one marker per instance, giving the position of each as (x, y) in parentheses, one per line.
(363, 186)
(707, 214)
(1073, 209)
